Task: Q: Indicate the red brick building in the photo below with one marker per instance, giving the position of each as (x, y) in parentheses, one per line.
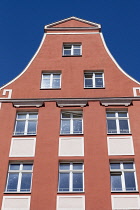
(70, 127)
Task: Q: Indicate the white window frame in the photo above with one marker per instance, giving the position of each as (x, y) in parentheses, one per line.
(27, 119)
(71, 121)
(93, 79)
(117, 118)
(122, 171)
(20, 171)
(51, 80)
(72, 49)
(70, 171)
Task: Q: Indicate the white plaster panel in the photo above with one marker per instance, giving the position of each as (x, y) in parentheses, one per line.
(71, 146)
(16, 203)
(70, 203)
(22, 147)
(125, 202)
(120, 145)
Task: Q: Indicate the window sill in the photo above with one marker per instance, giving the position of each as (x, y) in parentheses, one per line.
(66, 192)
(71, 134)
(94, 87)
(133, 191)
(17, 192)
(119, 133)
(50, 88)
(71, 55)
(22, 135)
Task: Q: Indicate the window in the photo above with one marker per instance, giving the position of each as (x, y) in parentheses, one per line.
(118, 122)
(94, 80)
(51, 80)
(70, 177)
(19, 177)
(123, 176)
(72, 49)
(26, 123)
(71, 122)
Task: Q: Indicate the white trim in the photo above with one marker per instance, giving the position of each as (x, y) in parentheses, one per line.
(120, 137)
(72, 33)
(73, 196)
(44, 36)
(12, 142)
(4, 197)
(125, 196)
(9, 94)
(72, 18)
(135, 89)
(113, 59)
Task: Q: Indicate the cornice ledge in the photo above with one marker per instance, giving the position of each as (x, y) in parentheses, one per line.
(116, 102)
(72, 102)
(28, 104)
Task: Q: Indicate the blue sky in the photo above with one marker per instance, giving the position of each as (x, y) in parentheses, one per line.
(22, 23)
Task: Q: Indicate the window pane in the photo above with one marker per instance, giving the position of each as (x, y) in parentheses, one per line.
(122, 114)
(26, 182)
(20, 126)
(14, 166)
(116, 184)
(111, 126)
(76, 51)
(115, 165)
(33, 116)
(77, 166)
(12, 182)
(21, 116)
(46, 76)
(98, 82)
(89, 76)
(65, 115)
(98, 74)
(31, 127)
(56, 83)
(67, 46)
(64, 166)
(77, 182)
(128, 165)
(65, 126)
(46, 83)
(129, 181)
(110, 114)
(56, 76)
(27, 166)
(76, 46)
(123, 126)
(67, 52)
(64, 182)
(88, 83)
(77, 115)
(77, 126)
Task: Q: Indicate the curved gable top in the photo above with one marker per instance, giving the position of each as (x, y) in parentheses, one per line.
(85, 23)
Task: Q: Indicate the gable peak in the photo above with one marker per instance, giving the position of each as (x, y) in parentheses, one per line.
(73, 18)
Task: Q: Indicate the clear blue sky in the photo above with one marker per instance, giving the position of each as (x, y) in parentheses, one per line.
(22, 23)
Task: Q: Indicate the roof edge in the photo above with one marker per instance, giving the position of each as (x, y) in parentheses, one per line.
(72, 18)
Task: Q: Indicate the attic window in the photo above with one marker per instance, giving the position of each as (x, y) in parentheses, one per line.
(72, 49)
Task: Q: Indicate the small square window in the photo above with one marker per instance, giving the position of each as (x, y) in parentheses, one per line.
(72, 49)
(51, 81)
(71, 177)
(71, 122)
(19, 177)
(26, 123)
(94, 80)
